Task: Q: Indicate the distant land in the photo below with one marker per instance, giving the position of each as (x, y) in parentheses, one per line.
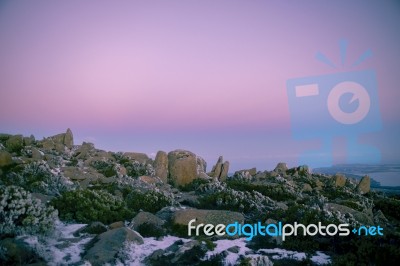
(384, 177)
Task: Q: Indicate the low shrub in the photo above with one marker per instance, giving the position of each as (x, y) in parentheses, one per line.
(91, 205)
(20, 213)
(150, 201)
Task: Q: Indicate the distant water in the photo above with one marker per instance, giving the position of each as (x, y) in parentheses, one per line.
(385, 174)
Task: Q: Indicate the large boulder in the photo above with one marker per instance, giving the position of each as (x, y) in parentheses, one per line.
(58, 142)
(339, 180)
(148, 225)
(106, 246)
(5, 159)
(182, 167)
(365, 185)
(281, 168)
(220, 169)
(161, 166)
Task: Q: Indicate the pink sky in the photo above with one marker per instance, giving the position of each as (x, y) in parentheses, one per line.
(209, 76)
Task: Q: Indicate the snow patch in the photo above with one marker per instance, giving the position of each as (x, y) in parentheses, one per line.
(138, 253)
(62, 247)
(278, 254)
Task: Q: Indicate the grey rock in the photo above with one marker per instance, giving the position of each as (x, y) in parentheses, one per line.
(36, 154)
(220, 169)
(145, 217)
(281, 168)
(94, 228)
(106, 246)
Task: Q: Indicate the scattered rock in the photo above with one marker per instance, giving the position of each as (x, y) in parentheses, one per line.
(260, 260)
(361, 217)
(179, 253)
(104, 248)
(246, 173)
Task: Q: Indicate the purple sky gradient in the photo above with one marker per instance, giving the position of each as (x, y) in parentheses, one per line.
(208, 76)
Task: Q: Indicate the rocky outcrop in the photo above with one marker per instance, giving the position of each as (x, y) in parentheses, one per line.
(365, 185)
(220, 169)
(68, 139)
(106, 246)
(246, 173)
(58, 142)
(339, 180)
(343, 211)
(281, 168)
(182, 167)
(161, 166)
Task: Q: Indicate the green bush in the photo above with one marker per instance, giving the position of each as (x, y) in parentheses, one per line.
(20, 213)
(106, 168)
(150, 201)
(192, 186)
(389, 206)
(91, 205)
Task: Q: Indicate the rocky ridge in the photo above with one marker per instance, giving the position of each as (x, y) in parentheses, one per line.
(126, 196)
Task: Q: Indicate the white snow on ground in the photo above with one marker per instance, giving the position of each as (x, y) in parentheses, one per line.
(137, 253)
(225, 244)
(62, 247)
(278, 253)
